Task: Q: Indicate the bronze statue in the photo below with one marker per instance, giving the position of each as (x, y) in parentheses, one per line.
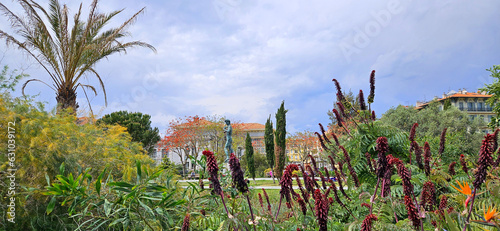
(229, 140)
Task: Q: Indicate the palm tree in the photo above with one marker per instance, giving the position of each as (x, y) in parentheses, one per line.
(67, 55)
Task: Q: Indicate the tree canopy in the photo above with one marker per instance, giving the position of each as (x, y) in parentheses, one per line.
(494, 90)
(464, 135)
(67, 54)
(138, 126)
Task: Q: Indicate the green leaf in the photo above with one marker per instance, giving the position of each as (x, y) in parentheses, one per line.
(99, 181)
(139, 173)
(146, 207)
(117, 221)
(452, 226)
(61, 169)
(47, 179)
(107, 207)
(121, 184)
(51, 205)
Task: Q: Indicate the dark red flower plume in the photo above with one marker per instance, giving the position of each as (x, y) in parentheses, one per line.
(428, 196)
(367, 222)
(464, 163)
(382, 148)
(371, 97)
(442, 141)
(351, 169)
(485, 160)
(321, 206)
(451, 168)
(427, 159)
(412, 212)
(361, 98)
(413, 131)
(286, 182)
(237, 174)
(337, 116)
(185, 223)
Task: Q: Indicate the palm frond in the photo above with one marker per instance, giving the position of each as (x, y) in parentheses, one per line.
(37, 80)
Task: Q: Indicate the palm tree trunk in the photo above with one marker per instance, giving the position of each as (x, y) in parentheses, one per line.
(66, 98)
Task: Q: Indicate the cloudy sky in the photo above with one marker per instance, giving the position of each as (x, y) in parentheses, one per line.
(240, 59)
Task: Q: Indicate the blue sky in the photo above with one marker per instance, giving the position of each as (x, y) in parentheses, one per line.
(240, 59)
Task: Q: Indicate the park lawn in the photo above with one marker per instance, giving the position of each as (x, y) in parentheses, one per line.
(257, 183)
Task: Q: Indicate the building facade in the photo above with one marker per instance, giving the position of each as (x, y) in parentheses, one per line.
(474, 103)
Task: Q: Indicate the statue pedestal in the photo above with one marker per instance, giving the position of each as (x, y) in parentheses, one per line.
(226, 168)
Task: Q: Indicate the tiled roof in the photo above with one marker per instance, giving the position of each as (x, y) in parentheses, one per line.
(468, 94)
(252, 126)
(458, 95)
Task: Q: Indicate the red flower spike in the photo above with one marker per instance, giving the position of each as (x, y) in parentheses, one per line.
(351, 169)
(412, 212)
(464, 164)
(323, 133)
(337, 116)
(237, 174)
(302, 205)
(371, 96)
(267, 199)
(213, 171)
(405, 175)
(428, 196)
(413, 131)
(336, 139)
(442, 140)
(427, 159)
(321, 206)
(361, 98)
(185, 223)
(451, 168)
(485, 160)
(418, 155)
(367, 222)
(261, 202)
(382, 148)
(286, 182)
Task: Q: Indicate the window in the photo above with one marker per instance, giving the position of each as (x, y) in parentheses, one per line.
(488, 107)
(480, 106)
(472, 117)
(461, 106)
(471, 106)
(489, 118)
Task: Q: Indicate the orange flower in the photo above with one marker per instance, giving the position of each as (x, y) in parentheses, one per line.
(465, 189)
(491, 214)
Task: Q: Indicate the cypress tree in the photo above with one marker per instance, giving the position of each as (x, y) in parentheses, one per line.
(269, 142)
(280, 139)
(249, 156)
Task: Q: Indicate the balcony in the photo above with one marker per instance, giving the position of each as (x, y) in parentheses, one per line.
(479, 109)
(476, 109)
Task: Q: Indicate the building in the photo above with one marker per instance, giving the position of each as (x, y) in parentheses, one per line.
(255, 130)
(474, 103)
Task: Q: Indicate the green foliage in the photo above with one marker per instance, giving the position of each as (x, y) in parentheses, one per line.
(45, 141)
(150, 201)
(138, 126)
(280, 135)
(269, 142)
(11, 81)
(249, 156)
(494, 90)
(463, 135)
